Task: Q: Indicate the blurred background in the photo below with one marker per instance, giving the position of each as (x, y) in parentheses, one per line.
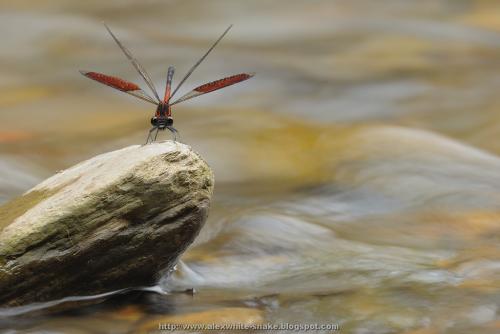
(357, 176)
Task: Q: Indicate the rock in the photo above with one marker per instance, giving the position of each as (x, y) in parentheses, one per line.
(117, 220)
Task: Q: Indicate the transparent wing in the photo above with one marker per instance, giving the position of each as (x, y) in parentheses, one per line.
(170, 75)
(213, 86)
(120, 84)
(191, 70)
(136, 64)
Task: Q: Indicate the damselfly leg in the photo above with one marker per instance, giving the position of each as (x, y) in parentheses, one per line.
(174, 131)
(150, 132)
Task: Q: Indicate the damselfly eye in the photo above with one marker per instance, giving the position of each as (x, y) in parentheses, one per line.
(170, 121)
(154, 121)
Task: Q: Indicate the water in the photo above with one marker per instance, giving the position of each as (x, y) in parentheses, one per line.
(356, 174)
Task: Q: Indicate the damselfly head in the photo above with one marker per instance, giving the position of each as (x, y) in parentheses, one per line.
(162, 122)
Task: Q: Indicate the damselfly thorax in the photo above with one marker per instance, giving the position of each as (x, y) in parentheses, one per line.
(162, 120)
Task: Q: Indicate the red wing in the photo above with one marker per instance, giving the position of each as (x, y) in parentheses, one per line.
(140, 69)
(120, 84)
(213, 86)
